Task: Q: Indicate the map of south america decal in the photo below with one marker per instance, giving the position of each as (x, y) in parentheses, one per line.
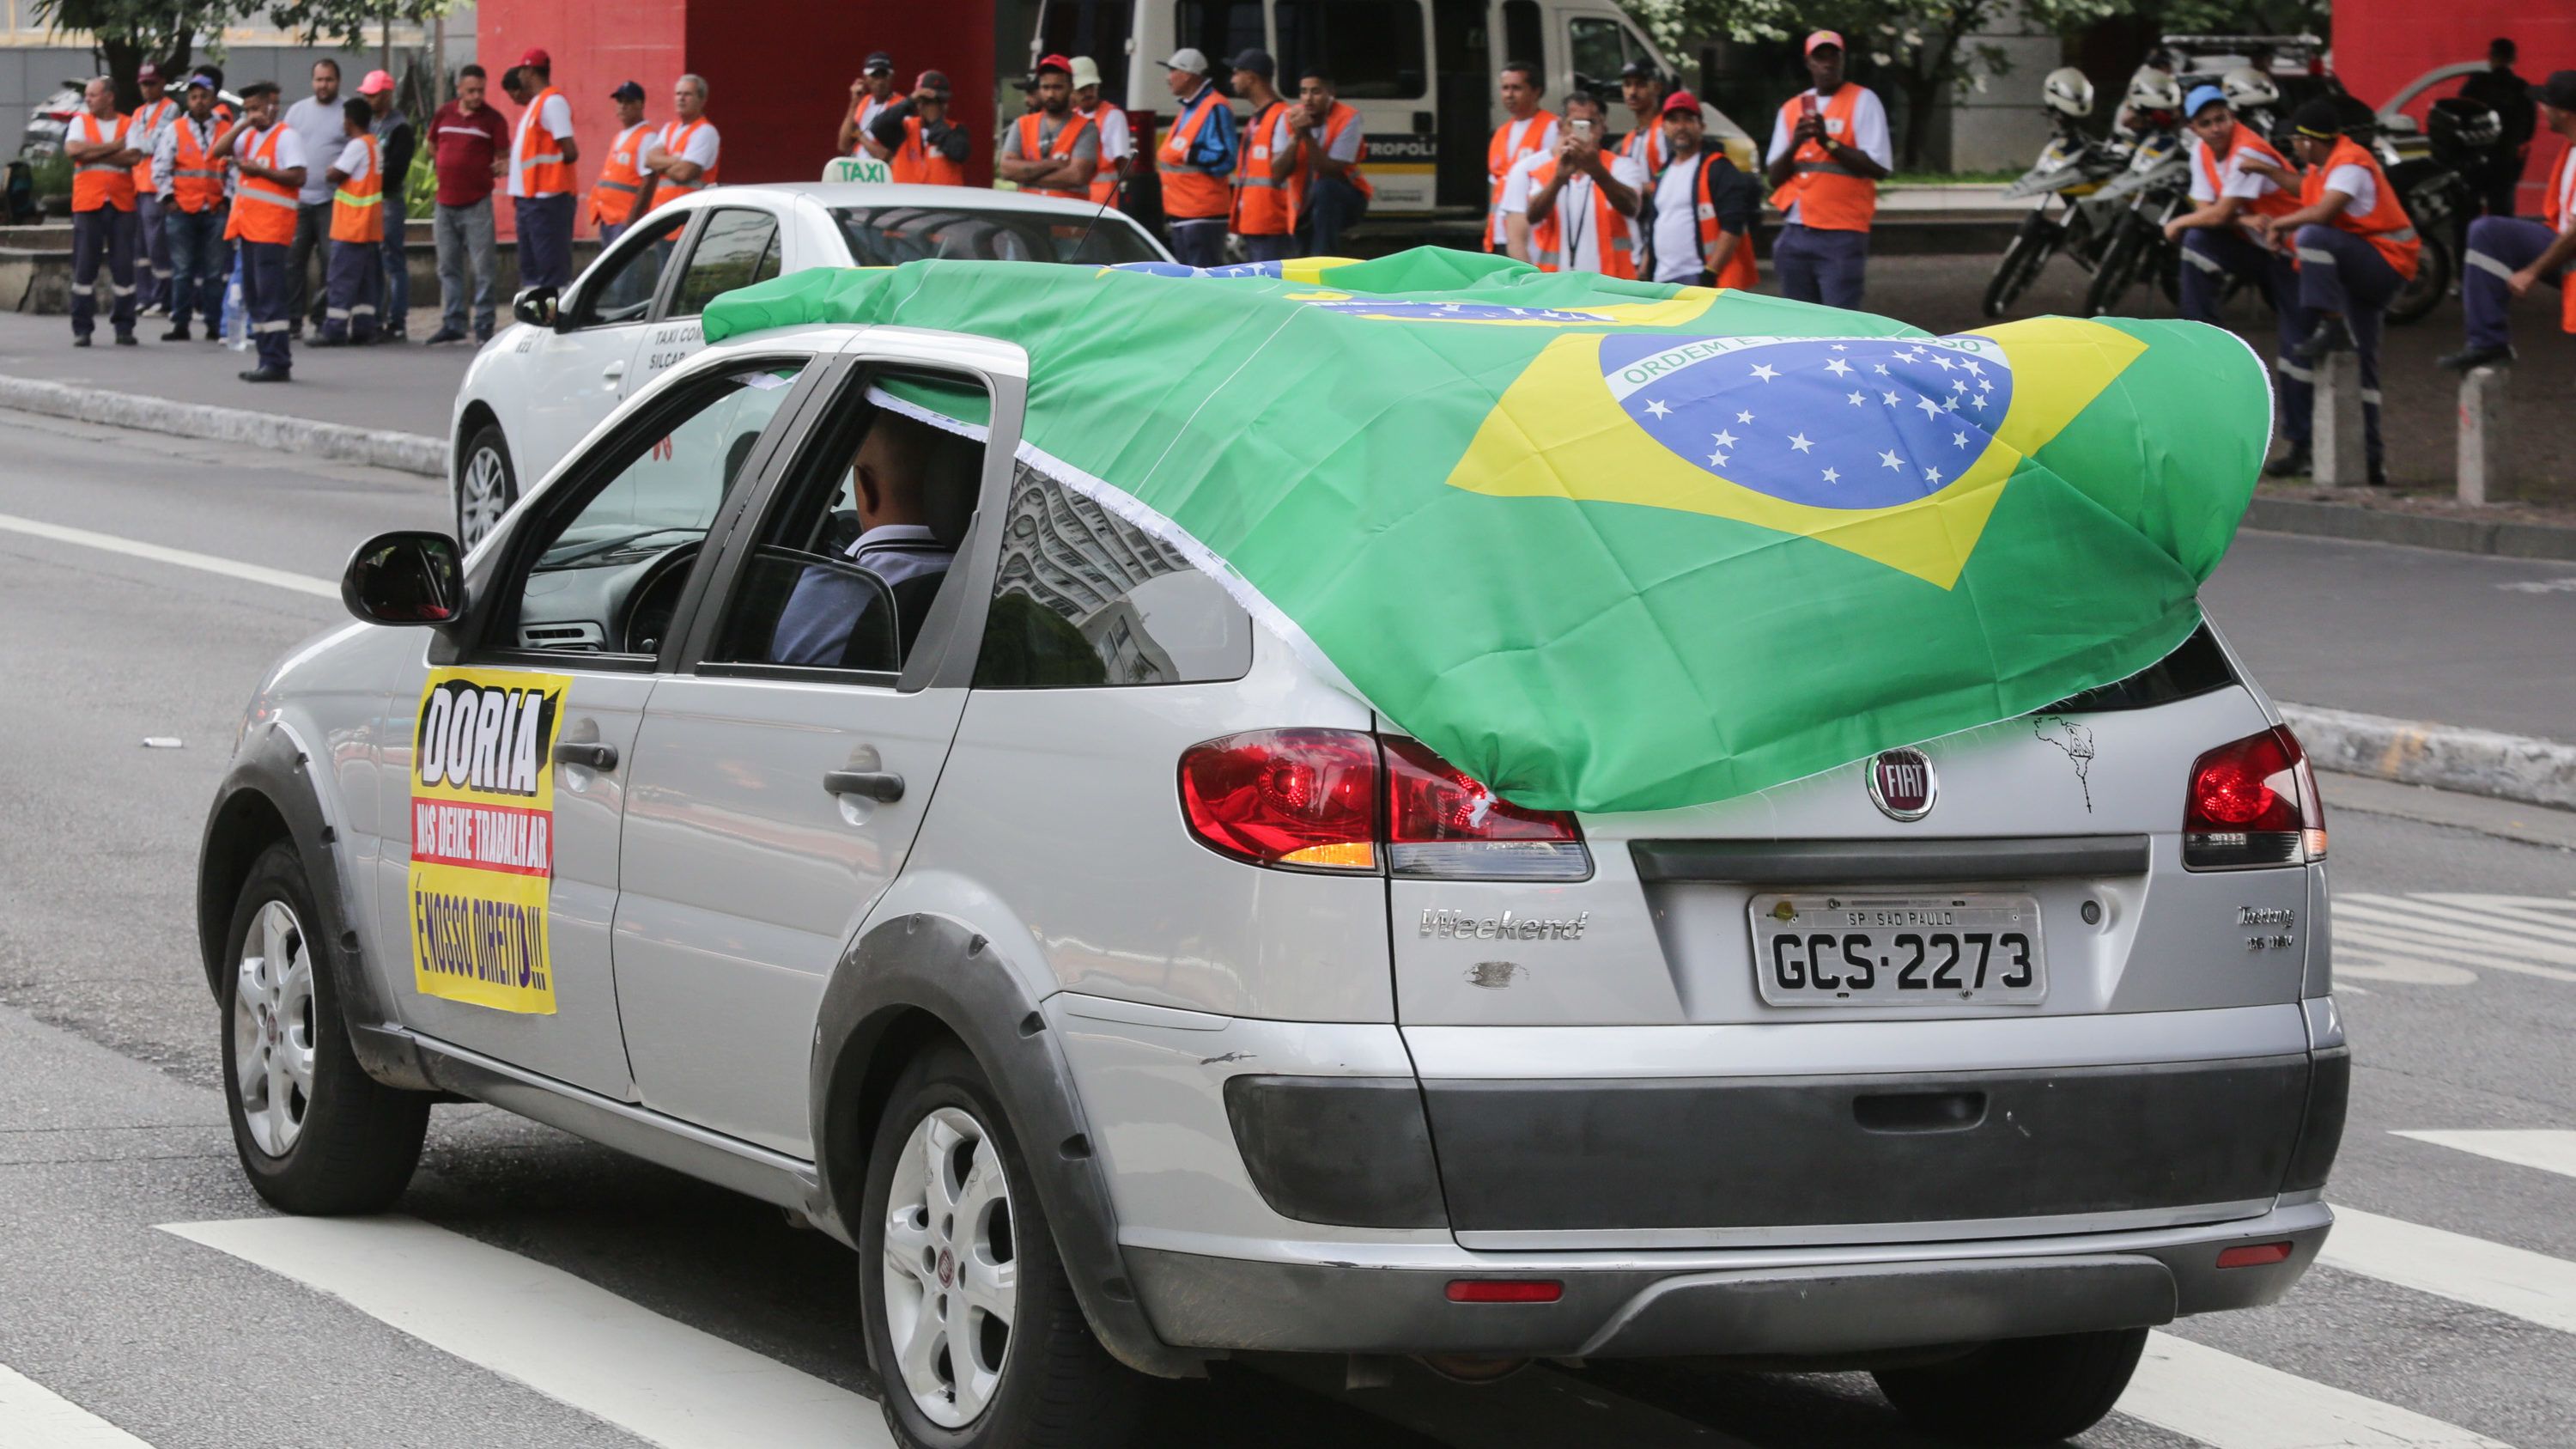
(482, 833)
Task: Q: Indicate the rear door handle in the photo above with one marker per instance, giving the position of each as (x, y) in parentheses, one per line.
(613, 371)
(597, 757)
(882, 786)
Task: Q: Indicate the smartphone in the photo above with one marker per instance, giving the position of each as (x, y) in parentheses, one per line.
(1580, 128)
(1812, 107)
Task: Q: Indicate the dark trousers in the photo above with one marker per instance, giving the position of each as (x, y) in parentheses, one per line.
(312, 245)
(610, 231)
(152, 253)
(2499, 246)
(1199, 242)
(545, 240)
(200, 265)
(397, 264)
(1278, 248)
(356, 291)
(2341, 272)
(264, 298)
(1333, 206)
(2213, 254)
(105, 234)
(1820, 266)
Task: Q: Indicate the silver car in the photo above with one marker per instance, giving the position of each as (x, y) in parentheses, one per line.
(798, 790)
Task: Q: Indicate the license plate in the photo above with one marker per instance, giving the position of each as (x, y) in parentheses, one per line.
(1818, 949)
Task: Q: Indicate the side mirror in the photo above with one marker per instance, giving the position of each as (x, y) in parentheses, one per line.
(405, 578)
(536, 306)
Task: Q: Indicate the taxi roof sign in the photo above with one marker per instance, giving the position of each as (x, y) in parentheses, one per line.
(857, 168)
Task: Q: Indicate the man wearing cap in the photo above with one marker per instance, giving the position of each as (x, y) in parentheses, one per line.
(270, 159)
(1196, 161)
(469, 147)
(1829, 150)
(682, 156)
(1641, 86)
(188, 176)
(542, 157)
(315, 120)
(1573, 210)
(395, 143)
(2508, 256)
(1697, 218)
(2236, 176)
(871, 96)
(1327, 193)
(621, 175)
(99, 143)
(1117, 141)
(2355, 248)
(152, 250)
(1053, 150)
(1525, 132)
(356, 292)
(1263, 211)
(918, 142)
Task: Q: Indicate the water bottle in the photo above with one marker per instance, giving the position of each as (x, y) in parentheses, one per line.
(236, 321)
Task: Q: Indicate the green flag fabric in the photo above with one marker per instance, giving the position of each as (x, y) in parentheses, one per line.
(1615, 545)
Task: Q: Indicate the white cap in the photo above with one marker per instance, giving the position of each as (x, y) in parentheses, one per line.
(1086, 72)
(1187, 58)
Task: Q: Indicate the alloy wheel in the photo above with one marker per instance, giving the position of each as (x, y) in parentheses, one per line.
(951, 1267)
(483, 496)
(273, 1029)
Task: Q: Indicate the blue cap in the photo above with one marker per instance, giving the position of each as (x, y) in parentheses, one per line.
(2201, 96)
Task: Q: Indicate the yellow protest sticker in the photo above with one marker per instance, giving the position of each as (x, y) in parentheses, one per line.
(482, 836)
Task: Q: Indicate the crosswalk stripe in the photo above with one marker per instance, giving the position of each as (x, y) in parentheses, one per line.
(2509, 917)
(35, 1417)
(2450, 926)
(2231, 1403)
(2530, 1286)
(568, 1339)
(2556, 916)
(2410, 943)
(2542, 1148)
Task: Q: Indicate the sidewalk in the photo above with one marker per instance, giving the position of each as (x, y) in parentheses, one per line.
(404, 389)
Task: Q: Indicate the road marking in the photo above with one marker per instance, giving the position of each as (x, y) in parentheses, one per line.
(184, 558)
(2430, 939)
(2545, 1149)
(2530, 1286)
(2231, 1403)
(568, 1339)
(35, 1417)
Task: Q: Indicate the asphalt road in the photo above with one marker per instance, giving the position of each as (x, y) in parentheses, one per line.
(542, 1291)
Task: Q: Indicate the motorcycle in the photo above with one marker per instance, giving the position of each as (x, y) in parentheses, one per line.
(2070, 174)
(2157, 188)
(2432, 172)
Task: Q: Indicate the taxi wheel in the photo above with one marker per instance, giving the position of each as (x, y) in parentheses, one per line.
(487, 483)
(970, 1322)
(2019, 1391)
(316, 1134)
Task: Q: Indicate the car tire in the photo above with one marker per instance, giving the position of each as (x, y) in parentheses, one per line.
(315, 1133)
(2019, 1391)
(487, 483)
(948, 1199)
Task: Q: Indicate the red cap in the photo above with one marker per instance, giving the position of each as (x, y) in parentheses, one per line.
(1052, 62)
(537, 57)
(375, 82)
(1824, 37)
(1681, 101)
(149, 72)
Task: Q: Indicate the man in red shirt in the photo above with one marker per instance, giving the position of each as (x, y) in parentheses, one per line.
(470, 146)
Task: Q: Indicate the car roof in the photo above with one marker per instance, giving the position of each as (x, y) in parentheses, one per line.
(863, 193)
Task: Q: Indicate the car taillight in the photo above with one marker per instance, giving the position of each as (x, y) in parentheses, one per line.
(1342, 800)
(1443, 824)
(2253, 803)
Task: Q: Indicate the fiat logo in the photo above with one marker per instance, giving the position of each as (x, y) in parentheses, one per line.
(1901, 784)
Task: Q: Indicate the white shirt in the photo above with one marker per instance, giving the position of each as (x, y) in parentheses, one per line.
(1346, 147)
(1868, 134)
(290, 151)
(700, 150)
(151, 123)
(1520, 136)
(1677, 250)
(870, 108)
(1116, 141)
(2233, 179)
(1573, 204)
(556, 116)
(353, 161)
(317, 128)
(2566, 180)
(2357, 183)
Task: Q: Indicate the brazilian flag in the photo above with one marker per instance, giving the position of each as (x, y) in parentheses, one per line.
(1615, 545)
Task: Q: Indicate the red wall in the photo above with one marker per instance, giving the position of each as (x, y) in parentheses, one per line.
(2381, 45)
(778, 82)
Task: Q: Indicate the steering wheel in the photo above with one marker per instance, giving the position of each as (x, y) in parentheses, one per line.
(655, 601)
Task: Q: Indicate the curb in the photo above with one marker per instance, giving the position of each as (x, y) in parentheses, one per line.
(402, 452)
(2415, 530)
(2475, 762)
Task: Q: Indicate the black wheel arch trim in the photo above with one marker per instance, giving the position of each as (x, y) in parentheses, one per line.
(921, 975)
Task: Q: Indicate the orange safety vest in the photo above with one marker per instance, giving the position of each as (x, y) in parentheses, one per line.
(914, 161)
(263, 210)
(546, 172)
(1829, 195)
(1512, 141)
(621, 177)
(196, 174)
(147, 121)
(865, 115)
(1645, 146)
(358, 205)
(675, 139)
(1742, 271)
(1075, 123)
(2276, 202)
(1190, 194)
(1617, 241)
(101, 183)
(1261, 201)
(2386, 227)
(1104, 173)
(1337, 120)
(2562, 199)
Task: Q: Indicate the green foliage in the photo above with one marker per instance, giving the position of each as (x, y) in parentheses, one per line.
(348, 22)
(52, 175)
(420, 188)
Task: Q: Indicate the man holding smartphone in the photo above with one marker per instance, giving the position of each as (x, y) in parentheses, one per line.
(1572, 210)
(1829, 150)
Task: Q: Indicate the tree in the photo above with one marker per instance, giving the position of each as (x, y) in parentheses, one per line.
(129, 32)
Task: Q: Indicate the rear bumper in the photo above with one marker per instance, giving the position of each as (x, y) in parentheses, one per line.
(1814, 1302)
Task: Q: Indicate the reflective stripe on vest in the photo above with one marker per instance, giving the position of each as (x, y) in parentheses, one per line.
(621, 177)
(97, 184)
(1829, 196)
(1512, 141)
(1189, 193)
(916, 163)
(546, 174)
(196, 175)
(147, 121)
(2386, 227)
(1104, 172)
(675, 140)
(1066, 137)
(358, 203)
(264, 211)
(1262, 206)
(1615, 245)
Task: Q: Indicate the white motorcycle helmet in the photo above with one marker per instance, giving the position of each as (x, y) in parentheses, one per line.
(2154, 89)
(2248, 89)
(2068, 91)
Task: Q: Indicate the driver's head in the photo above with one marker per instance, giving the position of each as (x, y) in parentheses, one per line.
(898, 465)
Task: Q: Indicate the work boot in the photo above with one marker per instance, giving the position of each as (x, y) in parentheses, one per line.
(2296, 463)
(2377, 473)
(265, 374)
(328, 341)
(2332, 334)
(125, 339)
(80, 339)
(443, 336)
(2469, 359)
(176, 334)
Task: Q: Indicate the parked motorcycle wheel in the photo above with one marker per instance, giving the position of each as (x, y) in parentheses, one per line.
(2031, 248)
(2435, 266)
(2118, 269)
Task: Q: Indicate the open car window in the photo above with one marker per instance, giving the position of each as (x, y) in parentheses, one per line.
(887, 236)
(625, 289)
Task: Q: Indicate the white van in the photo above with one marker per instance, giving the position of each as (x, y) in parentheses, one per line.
(1421, 73)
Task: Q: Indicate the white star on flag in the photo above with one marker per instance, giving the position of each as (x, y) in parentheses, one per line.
(1973, 365)
(1942, 363)
(1979, 399)
(1724, 439)
(1930, 408)
(1932, 475)
(1659, 409)
(1799, 442)
(1857, 399)
(1717, 460)
(1958, 384)
(1840, 347)
(1765, 371)
(1744, 417)
(1890, 460)
(1837, 366)
(1890, 399)
(1833, 477)
(1960, 438)
(1881, 367)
